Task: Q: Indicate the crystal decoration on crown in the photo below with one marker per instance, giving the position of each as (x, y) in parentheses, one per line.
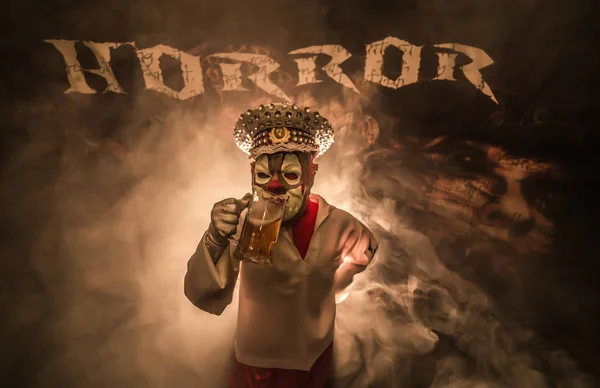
(282, 127)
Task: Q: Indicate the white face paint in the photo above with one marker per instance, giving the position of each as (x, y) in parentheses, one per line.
(262, 175)
(294, 203)
(291, 169)
(294, 197)
(291, 172)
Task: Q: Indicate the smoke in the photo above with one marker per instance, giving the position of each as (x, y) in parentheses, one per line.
(122, 317)
(127, 222)
(108, 307)
(411, 321)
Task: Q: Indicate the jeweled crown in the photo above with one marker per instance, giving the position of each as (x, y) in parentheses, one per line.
(278, 127)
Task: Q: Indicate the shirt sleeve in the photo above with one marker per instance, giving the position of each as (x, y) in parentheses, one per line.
(361, 244)
(209, 283)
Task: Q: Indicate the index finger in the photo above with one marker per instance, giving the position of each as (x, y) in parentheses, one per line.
(235, 206)
(228, 201)
(244, 201)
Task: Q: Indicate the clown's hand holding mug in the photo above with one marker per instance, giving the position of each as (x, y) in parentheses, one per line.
(287, 310)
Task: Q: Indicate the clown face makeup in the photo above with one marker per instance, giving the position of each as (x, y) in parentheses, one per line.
(288, 175)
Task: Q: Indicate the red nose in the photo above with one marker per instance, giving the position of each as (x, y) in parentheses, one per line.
(275, 187)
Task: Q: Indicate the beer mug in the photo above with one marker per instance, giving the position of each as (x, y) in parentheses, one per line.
(261, 229)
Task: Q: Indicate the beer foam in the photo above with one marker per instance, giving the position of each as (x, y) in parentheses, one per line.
(262, 222)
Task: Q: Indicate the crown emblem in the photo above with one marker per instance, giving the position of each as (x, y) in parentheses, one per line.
(279, 135)
(281, 127)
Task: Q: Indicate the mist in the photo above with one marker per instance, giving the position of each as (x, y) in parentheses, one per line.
(121, 317)
(106, 198)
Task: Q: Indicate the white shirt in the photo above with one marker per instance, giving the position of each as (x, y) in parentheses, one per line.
(286, 312)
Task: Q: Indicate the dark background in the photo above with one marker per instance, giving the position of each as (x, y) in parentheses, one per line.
(546, 57)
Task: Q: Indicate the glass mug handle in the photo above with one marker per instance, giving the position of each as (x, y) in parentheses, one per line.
(232, 239)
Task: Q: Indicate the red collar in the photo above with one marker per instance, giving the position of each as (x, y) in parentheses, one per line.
(303, 229)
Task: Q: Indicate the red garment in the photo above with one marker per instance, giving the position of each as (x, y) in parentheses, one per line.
(304, 228)
(245, 376)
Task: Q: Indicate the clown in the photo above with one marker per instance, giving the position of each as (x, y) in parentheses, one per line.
(286, 313)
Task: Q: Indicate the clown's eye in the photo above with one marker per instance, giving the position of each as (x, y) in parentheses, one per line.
(291, 175)
(262, 175)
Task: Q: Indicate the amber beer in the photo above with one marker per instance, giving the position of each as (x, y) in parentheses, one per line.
(261, 230)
